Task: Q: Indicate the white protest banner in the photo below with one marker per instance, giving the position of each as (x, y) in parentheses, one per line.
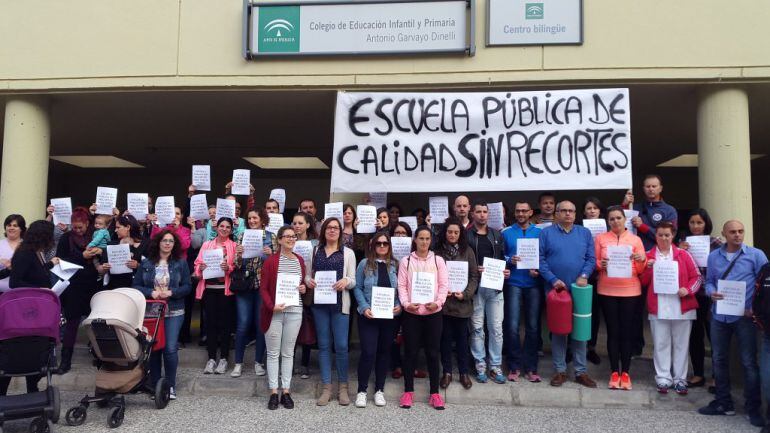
(438, 209)
(383, 301)
(225, 209)
(201, 177)
(252, 243)
(324, 293)
(367, 216)
(665, 277)
(164, 210)
(630, 214)
(423, 288)
(595, 226)
(304, 249)
(496, 217)
(485, 141)
(62, 210)
(700, 247)
(402, 246)
(458, 275)
(279, 195)
(106, 200)
(528, 251)
(333, 210)
(117, 257)
(492, 277)
(287, 289)
(619, 261)
(213, 259)
(138, 205)
(275, 222)
(734, 301)
(241, 182)
(410, 221)
(378, 199)
(199, 207)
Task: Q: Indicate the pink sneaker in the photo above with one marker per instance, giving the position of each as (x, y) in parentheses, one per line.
(406, 400)
(436, 401)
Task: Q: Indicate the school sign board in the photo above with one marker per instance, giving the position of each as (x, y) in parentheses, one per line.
(360, 27)
(534, 22)
(502, 141)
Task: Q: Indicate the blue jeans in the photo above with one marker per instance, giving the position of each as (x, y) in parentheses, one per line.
(522, 301)
(331, 325)
(487, 303)
(169, 355)
(764, 366)
(559, 353)
(721, 335)
(247, 306)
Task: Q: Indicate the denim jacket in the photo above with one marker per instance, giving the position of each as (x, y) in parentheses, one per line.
(365, 281)
(179, 284)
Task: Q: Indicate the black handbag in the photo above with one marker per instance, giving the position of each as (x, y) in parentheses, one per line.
(242, 280)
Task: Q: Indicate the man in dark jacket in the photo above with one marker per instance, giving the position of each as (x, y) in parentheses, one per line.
(761, 309)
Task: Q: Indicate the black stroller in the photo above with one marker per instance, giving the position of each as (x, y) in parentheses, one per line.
(29, 330)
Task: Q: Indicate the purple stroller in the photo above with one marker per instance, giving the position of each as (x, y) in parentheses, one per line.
(29, 331)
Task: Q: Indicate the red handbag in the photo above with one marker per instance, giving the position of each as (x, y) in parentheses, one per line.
(306, 334)
(558, 307)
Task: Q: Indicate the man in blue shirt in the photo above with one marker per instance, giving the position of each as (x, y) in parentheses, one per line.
(567, 257)
(734, 261)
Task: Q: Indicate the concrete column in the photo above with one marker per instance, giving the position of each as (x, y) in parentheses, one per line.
(724, 172)
(26, 146)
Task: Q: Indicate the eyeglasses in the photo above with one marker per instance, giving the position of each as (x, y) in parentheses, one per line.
(289, 237)
(167, 241)
(382, 244)
(333, 228)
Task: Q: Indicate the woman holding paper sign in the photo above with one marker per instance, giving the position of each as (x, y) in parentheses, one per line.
(180, 229)
(215, 292)
(28, 265)
(594, 210)
(304, 227)
(423, 284)
(127, 231)
(332, 318)
(671, 314)
(620, 259)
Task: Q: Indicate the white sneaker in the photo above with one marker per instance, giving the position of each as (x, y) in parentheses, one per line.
(236, 370)
(379, 398)
(361, 399)
(221, 367)
(259, 369)
(172, 394)
(210, 367)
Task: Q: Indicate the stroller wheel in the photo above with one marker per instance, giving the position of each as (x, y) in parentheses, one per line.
(76, 415)
(116, 417)
(39, 425)
(162, 393)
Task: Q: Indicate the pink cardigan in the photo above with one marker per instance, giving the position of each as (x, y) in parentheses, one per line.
(210, 245)
(433, 264)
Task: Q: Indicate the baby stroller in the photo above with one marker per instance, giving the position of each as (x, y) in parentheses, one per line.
(121, 347)
(29, 331)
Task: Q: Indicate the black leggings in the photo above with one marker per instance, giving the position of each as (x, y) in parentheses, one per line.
(220, 310)
(421, 331)
(618, 314)
(700, 329)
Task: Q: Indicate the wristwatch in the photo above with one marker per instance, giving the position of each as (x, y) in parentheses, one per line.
(584, 276)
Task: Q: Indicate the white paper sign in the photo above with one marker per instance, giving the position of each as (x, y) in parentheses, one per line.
(65, 270)
(225, 209)
(324, 292)
(402, 246)
(60, 287)
(367, 216)
(117, 257)
(493, 277)
(62, 210)
(286, 289)
(275, 224)
(106, 200)
(439, 209)
(383, 300)
(253, 241)
(411, 221)
(199, 207)
(201, 177)
(619, 261)
(213, 259)
(378, 199)
(700, 247)
(734, 302)
(279, 195)
(303, 249)
(665, 277)
(458, 275)
(528, 250)
(241, 182)
(495, 220)
(138, 205)
(630, 214)
(595, 226)
(423, 287)
(164, 210)
(333, 210)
